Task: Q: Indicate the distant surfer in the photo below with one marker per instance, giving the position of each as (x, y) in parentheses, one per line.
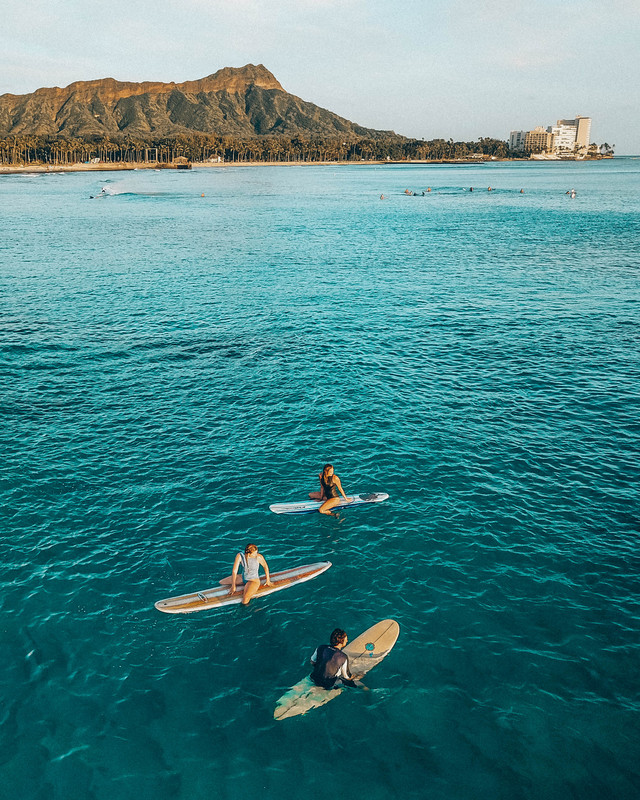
(251, 561)
(330, 491)
(331, 665)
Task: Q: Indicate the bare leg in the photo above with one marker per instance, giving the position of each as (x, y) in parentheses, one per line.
(250, 588)
(326, 507)
(227, 581)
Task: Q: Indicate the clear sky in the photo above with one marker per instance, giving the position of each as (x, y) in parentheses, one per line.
(424, 68)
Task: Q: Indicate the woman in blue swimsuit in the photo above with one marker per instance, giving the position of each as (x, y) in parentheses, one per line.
(330, 491)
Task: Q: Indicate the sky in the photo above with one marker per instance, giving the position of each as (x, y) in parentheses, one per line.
(423, 68)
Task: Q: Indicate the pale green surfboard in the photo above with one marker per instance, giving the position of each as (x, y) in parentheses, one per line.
(364, 653)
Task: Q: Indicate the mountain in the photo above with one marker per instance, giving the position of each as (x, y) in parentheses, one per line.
(242, 102)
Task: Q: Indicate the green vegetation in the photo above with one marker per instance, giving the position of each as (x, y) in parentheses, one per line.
(48, 150)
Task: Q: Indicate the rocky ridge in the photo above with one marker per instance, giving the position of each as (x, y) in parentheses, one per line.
(242, 102)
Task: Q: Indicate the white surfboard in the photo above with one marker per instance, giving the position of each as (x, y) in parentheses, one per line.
(219, 597)
(307, 506)
(364, 653)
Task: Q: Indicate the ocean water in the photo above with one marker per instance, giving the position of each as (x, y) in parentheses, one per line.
(173, 363)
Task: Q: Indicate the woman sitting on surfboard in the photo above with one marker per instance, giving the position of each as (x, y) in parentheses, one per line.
(330, 491)
(251, 561)
(331, 666)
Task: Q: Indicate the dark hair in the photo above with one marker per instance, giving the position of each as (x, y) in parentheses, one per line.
(337, 637)
(249, 548)
(326, 467)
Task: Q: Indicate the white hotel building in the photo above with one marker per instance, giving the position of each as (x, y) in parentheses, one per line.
(568, 137)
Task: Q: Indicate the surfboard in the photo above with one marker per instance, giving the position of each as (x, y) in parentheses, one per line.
(219, 597)
(364, 653)
(307, 506)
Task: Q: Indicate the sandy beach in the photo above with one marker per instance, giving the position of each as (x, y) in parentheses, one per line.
(6, 169)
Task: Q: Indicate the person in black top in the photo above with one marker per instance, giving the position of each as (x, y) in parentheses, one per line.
(330, 491)
(331, 665)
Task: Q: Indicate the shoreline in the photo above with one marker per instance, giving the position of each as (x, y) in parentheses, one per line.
(133, 165)
(130, 166)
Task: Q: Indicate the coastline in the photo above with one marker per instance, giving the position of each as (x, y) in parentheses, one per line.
(130, 166)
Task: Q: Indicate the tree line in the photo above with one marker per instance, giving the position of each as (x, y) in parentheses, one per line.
(59, 151)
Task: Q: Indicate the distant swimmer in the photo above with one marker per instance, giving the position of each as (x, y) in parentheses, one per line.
(382, 197)
(330, 491)
(521, 191)
(471, 188)
(251, 561)
(429, 189)
(571, 193)
(490, 189)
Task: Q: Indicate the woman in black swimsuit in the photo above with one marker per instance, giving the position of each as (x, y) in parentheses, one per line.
(330, 491)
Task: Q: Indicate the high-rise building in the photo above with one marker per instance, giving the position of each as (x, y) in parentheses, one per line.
(517, 140)
(538, 141)
(582, 132)
(564, 136)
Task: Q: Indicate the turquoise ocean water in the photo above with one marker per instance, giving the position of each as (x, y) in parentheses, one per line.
(172, 364)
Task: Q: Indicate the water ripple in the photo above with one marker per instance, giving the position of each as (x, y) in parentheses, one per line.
(168, 374)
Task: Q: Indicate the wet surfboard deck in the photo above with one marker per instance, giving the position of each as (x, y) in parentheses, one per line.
(307, 506)
(219, 597)
(365, 652)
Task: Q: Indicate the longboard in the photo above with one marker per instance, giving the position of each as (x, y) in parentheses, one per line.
(219, 596)
(307, 506)
(364, 653)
